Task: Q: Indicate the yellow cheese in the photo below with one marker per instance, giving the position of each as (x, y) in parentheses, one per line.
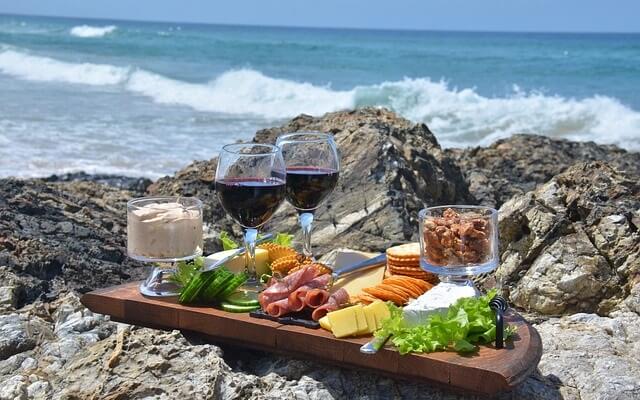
(237, 264)
(361, 319)
(354, 283)
(324, 323)
(343, 322)
(371, 319)
(380, 311)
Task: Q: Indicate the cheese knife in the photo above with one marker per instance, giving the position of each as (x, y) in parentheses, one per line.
(373, 346)
(235, 253)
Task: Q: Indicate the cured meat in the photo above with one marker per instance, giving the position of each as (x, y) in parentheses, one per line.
(281, 289)
(278, 308)
(297, 298)
(338, 298)
(316, 297)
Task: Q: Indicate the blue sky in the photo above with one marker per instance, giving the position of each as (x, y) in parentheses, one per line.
(493, 15)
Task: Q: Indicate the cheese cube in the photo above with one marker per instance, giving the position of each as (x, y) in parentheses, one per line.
(324, 323)
(380, 311)
(361, 320)
(237, 264)
(343, 322)
(371, 319)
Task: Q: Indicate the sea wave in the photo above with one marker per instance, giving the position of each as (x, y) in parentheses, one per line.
(457, 116)
(88, 31)
(45, 69)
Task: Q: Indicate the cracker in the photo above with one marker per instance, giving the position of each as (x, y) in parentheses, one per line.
(401, 268)
(406, 290)
(283, 265)
(408, 250)
(365, 298)
(413, 289)
(396, 290)
(418, 282)
(384, 295)
(403, 261)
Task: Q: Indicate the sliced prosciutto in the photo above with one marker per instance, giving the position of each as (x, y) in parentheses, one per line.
(338, 298)
(298, 296)
(316, 297)
(279, 308)
(282, 289)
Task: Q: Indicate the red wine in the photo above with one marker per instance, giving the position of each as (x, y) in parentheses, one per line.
(250, 201)
(308, 186)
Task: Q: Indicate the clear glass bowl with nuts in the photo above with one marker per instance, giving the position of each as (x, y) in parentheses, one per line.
(458, 241)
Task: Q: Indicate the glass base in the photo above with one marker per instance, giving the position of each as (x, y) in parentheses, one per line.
(447, 280)
(250, 289)
(159, 283)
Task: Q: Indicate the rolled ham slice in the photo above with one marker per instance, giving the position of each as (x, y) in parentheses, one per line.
(338, 298)
(316, 297)
(282, 289)
(278, 308)
(296, 298)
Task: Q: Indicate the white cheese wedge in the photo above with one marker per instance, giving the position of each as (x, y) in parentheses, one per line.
(436, 301)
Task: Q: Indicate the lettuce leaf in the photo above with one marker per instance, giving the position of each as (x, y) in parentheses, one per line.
(468, 322)
(227, 242)
(283, 239)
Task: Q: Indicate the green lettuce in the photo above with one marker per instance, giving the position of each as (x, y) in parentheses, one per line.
(468, 322)
(227, 242)
(283, 239)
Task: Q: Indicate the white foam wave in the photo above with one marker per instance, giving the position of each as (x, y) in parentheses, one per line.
(87, 31)
(242, 91)
(37, 68)
(458, 117)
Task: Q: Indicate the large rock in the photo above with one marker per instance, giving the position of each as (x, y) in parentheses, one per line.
(572, 245)
(390, 169)
(60, 236)
(518, 164)
(592, 357)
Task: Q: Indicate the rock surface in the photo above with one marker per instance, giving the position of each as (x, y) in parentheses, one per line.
(390, 169)
(572, 245)
(60, 236)
(518, 164)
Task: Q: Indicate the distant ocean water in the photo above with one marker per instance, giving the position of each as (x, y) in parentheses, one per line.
(145, 99)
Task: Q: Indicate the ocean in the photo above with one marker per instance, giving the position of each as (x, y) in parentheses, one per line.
(145, 99)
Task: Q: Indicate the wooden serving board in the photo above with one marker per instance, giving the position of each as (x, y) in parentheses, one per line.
(487, 372)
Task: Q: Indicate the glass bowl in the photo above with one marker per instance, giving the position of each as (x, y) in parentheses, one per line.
(458, 241)
(162, 231)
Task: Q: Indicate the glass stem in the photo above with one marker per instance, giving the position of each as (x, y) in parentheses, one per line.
(306, 220)
(250, 236)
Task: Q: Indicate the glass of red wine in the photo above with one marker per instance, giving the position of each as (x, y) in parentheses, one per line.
(312, 166)
(250, 184)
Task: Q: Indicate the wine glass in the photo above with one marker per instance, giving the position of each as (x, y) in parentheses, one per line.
(313, 167)
(250, 184)
(457, 242)
(162, 231)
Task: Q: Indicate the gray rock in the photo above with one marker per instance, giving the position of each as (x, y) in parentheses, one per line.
(62, 236)
(19, 333)
(518, 164)
(14, 388)
(8, 298)
(572, 245)
(593, 357)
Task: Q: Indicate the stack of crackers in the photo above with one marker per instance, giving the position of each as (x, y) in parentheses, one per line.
(405, 260)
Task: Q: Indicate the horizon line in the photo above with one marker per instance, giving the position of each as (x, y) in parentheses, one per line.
(326, 27)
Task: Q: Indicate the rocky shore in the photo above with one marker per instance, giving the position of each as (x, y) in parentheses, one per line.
(570, 261)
